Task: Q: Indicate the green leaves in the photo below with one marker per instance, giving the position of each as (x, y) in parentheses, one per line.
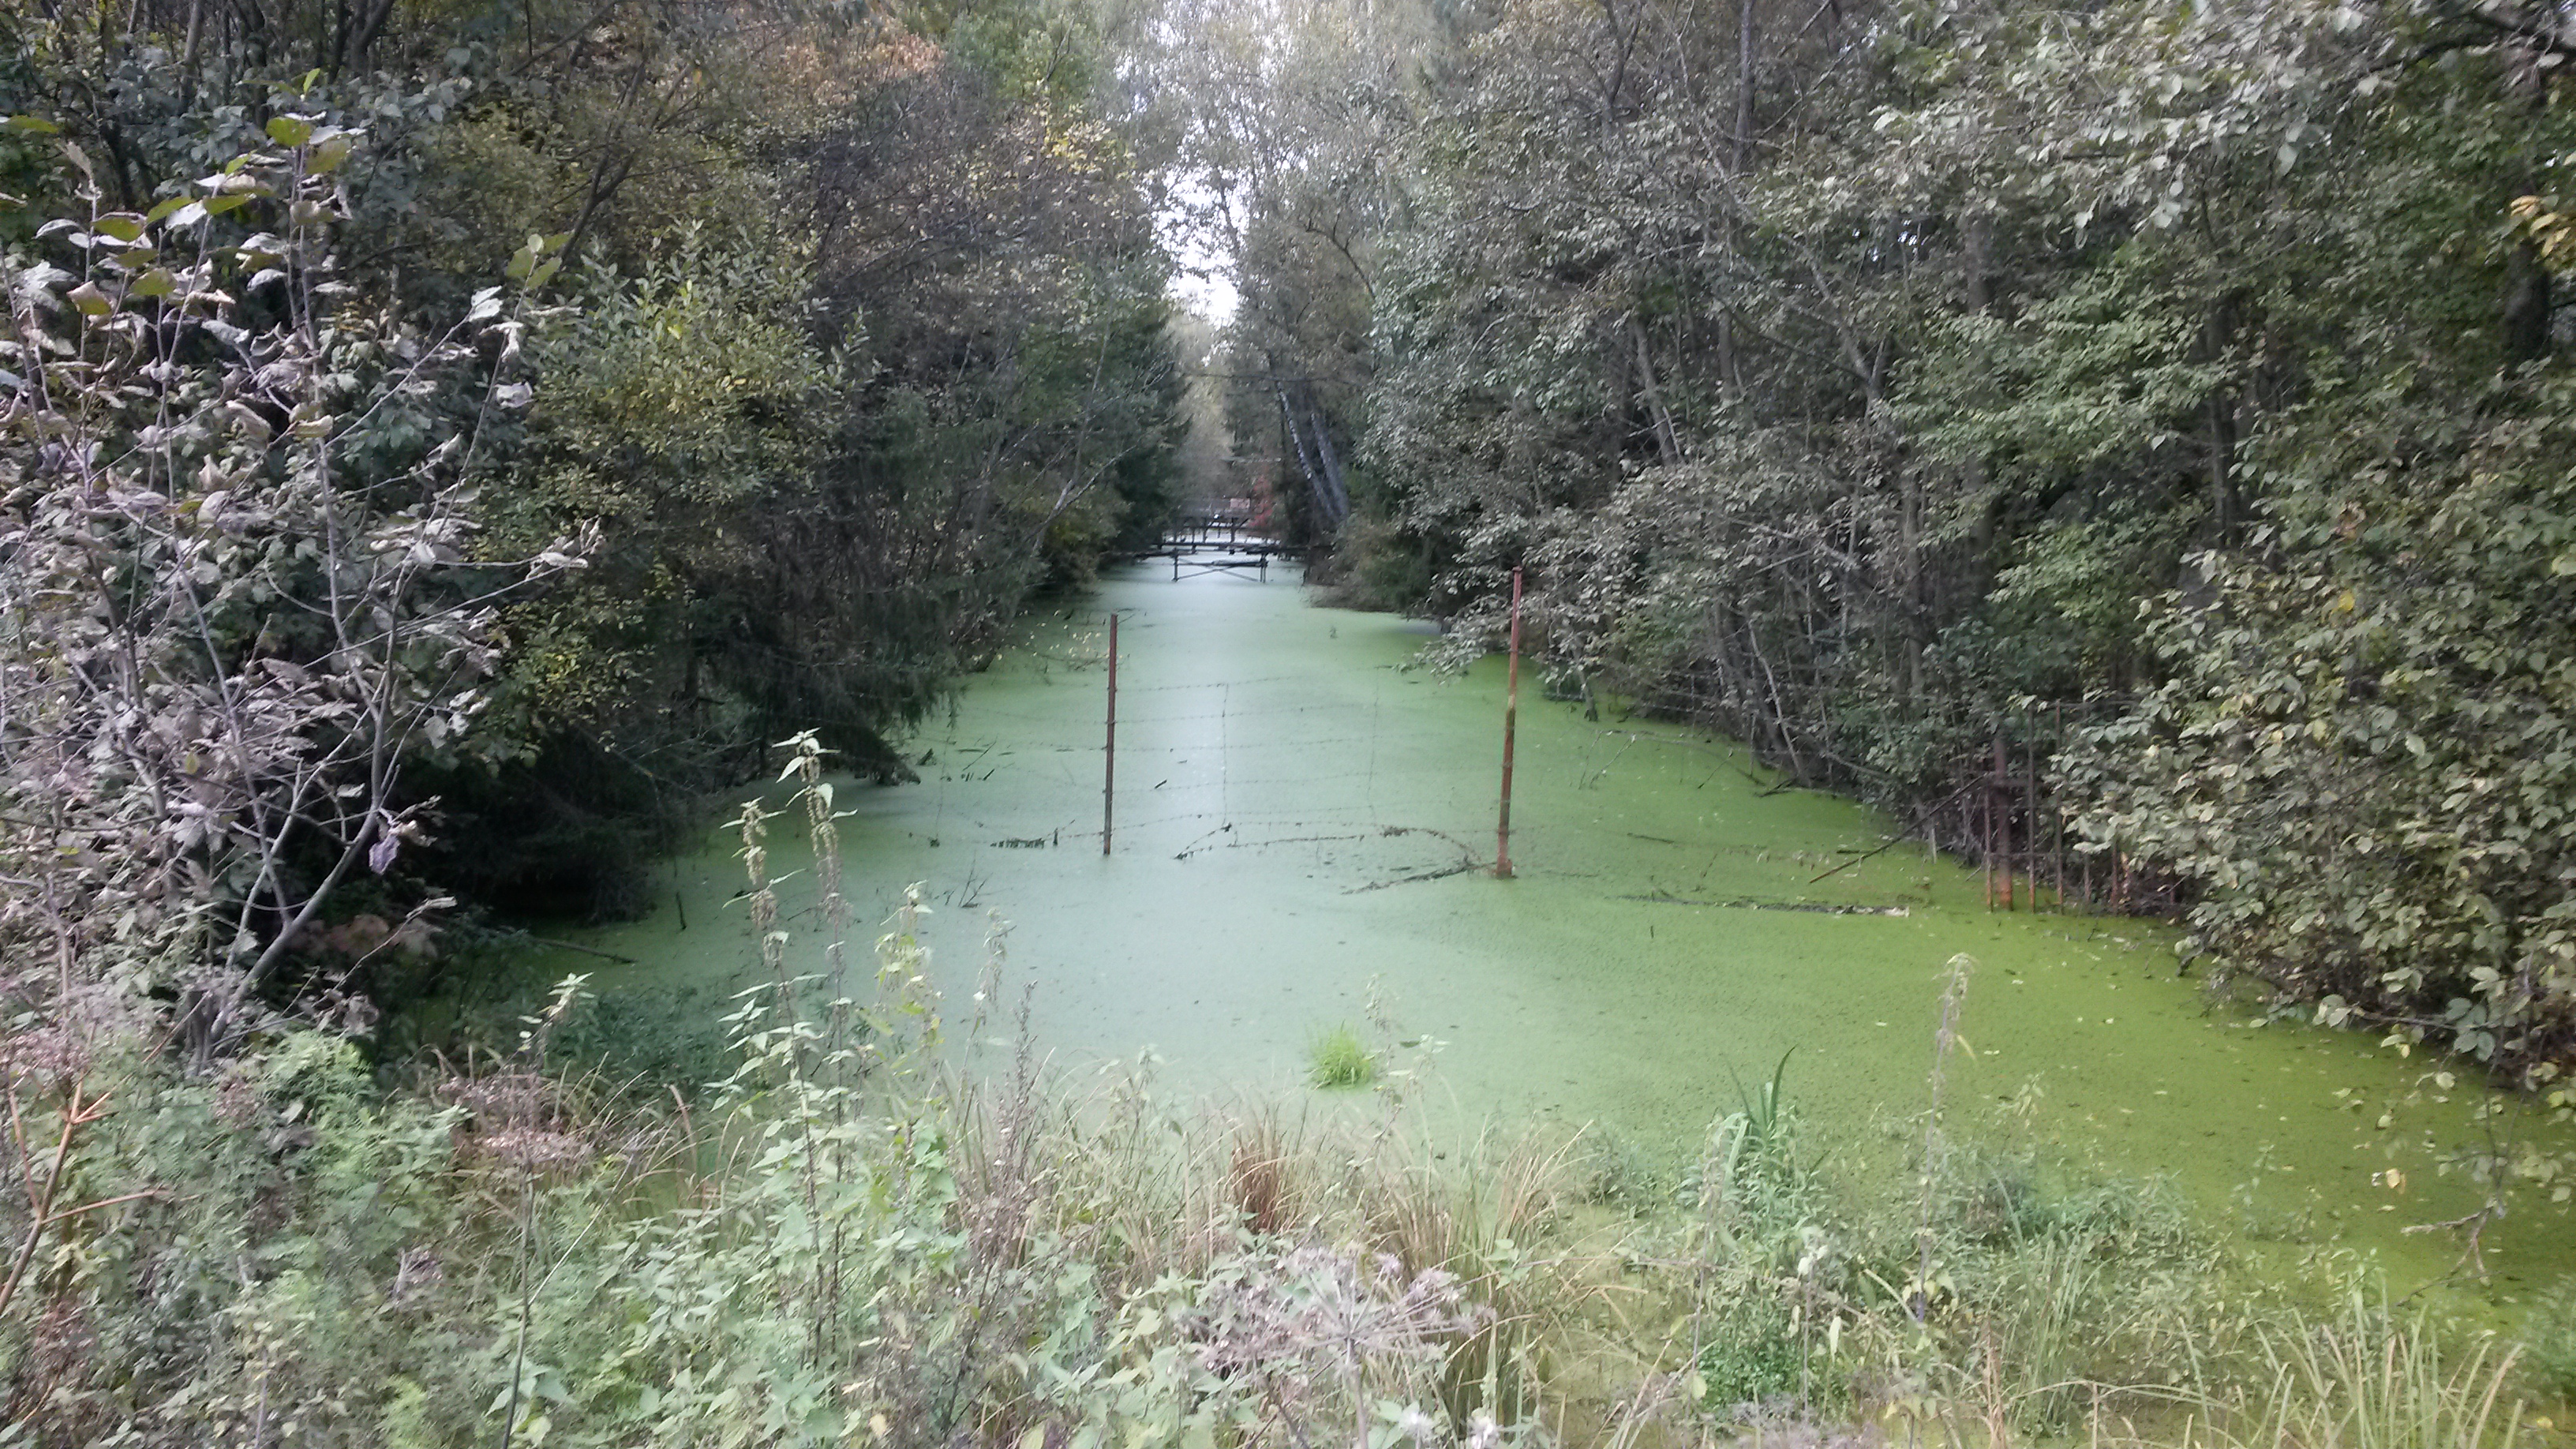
(537, 260)
(2364, 758)
(2005, 322)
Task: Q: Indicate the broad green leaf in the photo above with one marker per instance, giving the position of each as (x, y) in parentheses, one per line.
(328, 153)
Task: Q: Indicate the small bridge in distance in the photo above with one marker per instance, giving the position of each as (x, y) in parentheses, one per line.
(1225, 536)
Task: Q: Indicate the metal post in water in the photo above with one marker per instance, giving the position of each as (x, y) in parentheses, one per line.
(2057, 840)
(1109, 748)
(1986, 836)
(1511, 723)
(2003, 815)
(2030, 801)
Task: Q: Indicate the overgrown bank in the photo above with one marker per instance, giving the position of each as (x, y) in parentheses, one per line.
(352, 547)
(846, 1243)
(2104, 436)
(503, 424)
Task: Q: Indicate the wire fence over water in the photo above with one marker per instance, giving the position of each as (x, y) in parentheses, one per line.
(1381, 774)
(2001, 802)
(1277, 758)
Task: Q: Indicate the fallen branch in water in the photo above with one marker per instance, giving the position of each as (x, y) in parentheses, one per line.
(1907, 834)
(1380, 833)
(1443, 873)
(585, 950)
(1748, 903)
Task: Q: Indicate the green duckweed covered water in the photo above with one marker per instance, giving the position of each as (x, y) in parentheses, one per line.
(1290, 793)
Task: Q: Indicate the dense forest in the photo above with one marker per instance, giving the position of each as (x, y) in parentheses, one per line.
(448, 440)
(2125, 438)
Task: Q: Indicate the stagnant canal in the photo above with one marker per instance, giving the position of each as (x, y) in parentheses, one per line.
(1293, 799)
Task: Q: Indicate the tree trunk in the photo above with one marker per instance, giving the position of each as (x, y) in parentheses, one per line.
(1338, 489)
(2217, 331)
(1743, 84)
(2526, 276)
(2526, 304)
(1321, 481)
(1668, 447)
(1980, 296)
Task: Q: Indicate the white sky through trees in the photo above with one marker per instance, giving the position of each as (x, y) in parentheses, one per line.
(1203, 279)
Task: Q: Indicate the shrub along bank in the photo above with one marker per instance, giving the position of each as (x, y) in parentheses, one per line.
(2110, 434)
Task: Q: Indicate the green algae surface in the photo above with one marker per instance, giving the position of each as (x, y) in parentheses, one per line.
(1297, 809)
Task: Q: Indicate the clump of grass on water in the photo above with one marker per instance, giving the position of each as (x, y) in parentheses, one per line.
(1338, 1058)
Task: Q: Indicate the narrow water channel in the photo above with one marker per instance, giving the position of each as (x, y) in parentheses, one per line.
(1292, 799)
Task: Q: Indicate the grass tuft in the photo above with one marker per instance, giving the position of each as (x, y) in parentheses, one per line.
(1338, 1058)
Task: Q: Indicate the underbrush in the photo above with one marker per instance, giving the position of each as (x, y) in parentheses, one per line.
(1373, 566)
(860, 1237)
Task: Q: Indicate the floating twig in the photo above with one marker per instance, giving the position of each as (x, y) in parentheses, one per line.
(585, 950)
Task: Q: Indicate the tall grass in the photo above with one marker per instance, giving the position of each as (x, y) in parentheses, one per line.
(2368, 1378)
(1985, 1301)
(862, 1238)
